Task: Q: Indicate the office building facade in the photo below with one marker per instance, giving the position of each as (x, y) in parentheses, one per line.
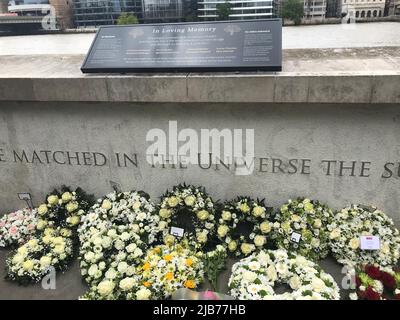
(241, 9)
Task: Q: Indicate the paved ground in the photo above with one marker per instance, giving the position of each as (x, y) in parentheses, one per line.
(69, 285)
(358, 35)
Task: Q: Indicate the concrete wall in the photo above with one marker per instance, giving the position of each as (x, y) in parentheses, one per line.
(368, 134)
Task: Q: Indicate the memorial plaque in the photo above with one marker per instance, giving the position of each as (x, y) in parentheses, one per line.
(218, 46)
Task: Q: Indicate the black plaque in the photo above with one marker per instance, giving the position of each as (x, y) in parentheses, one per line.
(218, 46)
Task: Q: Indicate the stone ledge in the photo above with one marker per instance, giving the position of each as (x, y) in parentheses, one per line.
(309, 76)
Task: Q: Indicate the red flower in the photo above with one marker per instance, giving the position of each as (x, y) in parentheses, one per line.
(373, 272)
(358, 281)
(388, 280)
(370, 294)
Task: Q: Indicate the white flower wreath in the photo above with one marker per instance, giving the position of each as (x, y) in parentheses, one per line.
(114, 236)
(239, 210)
(54, 242)
(355, 221)
(254, 278)
(190, 203)
(301, 226)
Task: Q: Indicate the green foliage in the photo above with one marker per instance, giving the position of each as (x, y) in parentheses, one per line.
(127, 18)
(224, 10)
(293, 10)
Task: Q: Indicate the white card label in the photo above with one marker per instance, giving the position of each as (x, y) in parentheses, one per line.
(178, 232)
(370, 243)
(24, 196)
(295, 237)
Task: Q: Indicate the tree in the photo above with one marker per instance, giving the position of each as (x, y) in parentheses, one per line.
(224, 10)
(293, 10)
(127, 18)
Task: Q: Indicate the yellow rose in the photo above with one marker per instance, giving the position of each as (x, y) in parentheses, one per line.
(41, 224)
(18, 258)
(66, 232)
(173, 201)
(232, 246)
(317, 223)
(52, 200)
(226, 215)
(295, 218)
(74, 220)
(201, 237)
(308, 207)
(127, 284)
(22, 250)
(247, 248)
(136, 205)
(28, 265)
(265, 227)
(385, 248)
(244, 207)
(335, 233)
(285, 226)
(66, 196)
(258, 211)
(106, 205)
(72, 206)
(222, 230)
(32, 243)
(169, 239)
(42, 210)
(203, 215)
(47, 239)
(143, 294)
(189, 200)
(49, 231)
(105, 288)
(165, 213)
(45, 261)
(58, 240)
(354, 243)
(259, 241)
(59, 249)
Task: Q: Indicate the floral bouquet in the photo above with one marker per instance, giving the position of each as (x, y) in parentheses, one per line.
(191, 209)
(244, 211)
(254, 278)
(55, 240)
(376, 283)
(114, 235)
(355, 221)
(17, 227)
(301, 226)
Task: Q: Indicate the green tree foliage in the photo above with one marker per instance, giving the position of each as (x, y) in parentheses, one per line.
(224, 10)
(293, 10)
(127, 18)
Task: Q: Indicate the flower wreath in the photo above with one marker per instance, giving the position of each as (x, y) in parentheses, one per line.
(254, 278)
(301, 226)
(17, 227)
(244, 209)
(191, 209)
(54, 243)
(355, 221)
(162, 271)
(114, 235)
(376, 283)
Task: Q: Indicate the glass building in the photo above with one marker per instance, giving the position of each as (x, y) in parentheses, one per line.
(163, 10)
(102, 12)
(241, 9)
